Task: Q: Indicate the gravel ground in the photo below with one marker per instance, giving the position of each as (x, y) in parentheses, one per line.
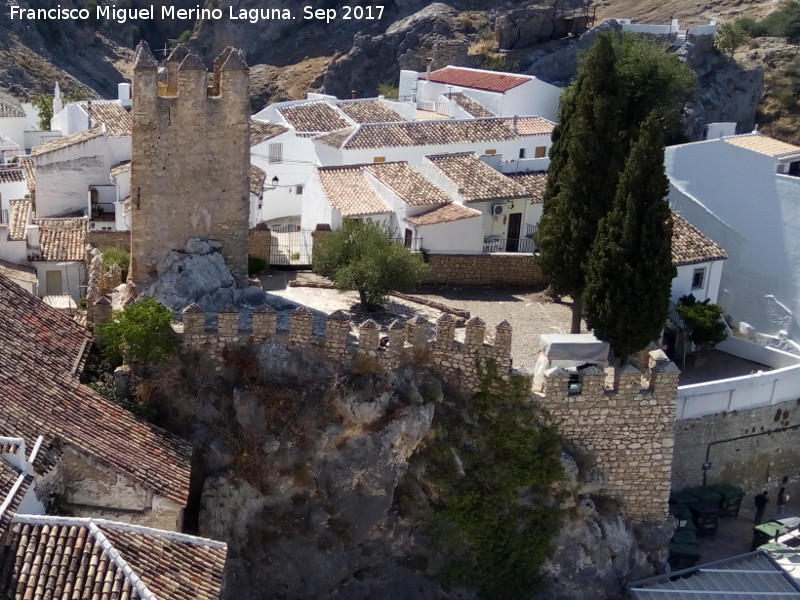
(529, 313)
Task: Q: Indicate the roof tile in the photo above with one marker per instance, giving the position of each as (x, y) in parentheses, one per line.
(11, 174)
(444, 214)
(764, 145)
(62, 239)
(534, 182)
(478, 79)
(349, 192)
(257, 177)
(478, 181)
(69, 140)
(19, 212)
(474, 108)
(313, 117)
(690, 245)
(114, 116)
(369, 111)
(411, 186)
(261, 131)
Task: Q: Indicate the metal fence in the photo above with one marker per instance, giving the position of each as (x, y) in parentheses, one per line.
(103, 211)
(504, 244)
(290, 246)
(4, 216)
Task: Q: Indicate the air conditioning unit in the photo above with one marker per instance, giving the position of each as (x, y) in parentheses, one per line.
(498, 209)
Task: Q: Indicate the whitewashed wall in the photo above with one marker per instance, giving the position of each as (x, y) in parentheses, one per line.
(465, 235)
(682, 284)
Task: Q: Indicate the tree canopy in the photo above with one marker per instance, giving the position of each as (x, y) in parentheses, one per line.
(629, 272)
(365, 256)
(141, 333)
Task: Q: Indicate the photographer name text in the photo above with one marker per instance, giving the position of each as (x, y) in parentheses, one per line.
(122, 15)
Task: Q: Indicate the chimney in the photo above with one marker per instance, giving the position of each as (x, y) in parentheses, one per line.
(58, 104)
(89, 114)
(352, 94)
(514, 125)
(124, 94)
(428, 69)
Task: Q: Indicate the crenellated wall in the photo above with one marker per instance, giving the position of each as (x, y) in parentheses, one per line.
(628, 428)
(457, 362)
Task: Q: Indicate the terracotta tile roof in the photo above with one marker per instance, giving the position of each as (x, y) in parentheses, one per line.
(478, 79)
(69, 140)
(423, 133)
(349, 192)
(369, 111)
(444, 214)
(11, 174)
(29, 166)
(478, 181)
(764, 145)
(261, 131)
(531, 126)
(534, 182)
(41, 350)
(412, 187)
(18, 272)
(336, 139)
(63, 559)
(690, 245)
(10, 106)
(13, 487)
(257, 177)
(116, 118)
(472, 107)
(19, 212)
(62, 239)
(120, 169)
(314, 117)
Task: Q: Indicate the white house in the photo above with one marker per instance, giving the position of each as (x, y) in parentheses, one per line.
(13, 185)
(12, 128)
(698, 260)
(743, 191)
(57, 250)
(397, 195)
(504, 94)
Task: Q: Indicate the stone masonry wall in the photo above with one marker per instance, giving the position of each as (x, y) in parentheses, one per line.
(191, 159)
(754, 449)
(485, 269)
(458, 362)
(629, 430)
(109, 239)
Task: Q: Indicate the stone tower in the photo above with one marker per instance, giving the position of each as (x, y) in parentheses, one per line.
(191, 158)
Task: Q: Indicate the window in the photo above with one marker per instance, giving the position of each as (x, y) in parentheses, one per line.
(491, 151)
(275, 153)
(522, 152)
(540, 152)
(379, 159)
(53, 283)
(699, 279)
(298, 189)
(409, 238)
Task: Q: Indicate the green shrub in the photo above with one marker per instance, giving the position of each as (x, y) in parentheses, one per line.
(255, 265)
(388, 90)
(119, 257)
(142, 333)
(703, 319)
(784, 22)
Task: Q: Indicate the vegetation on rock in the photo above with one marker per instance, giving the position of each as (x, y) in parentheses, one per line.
(629, 273)
(141, 333)
(493, 464)
(784, 22)
(730, 37)
(117, 256)
(366, 257)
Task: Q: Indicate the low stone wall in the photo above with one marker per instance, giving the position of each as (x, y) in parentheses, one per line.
(629, 430)
(109, 239)
(754, 449)
(497, 268)
(457, 362)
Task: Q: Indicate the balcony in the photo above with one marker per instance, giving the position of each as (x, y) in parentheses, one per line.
(103, 211)
(504, 244)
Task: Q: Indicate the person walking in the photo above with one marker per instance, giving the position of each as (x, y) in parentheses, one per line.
(761, 505)
(783, 500)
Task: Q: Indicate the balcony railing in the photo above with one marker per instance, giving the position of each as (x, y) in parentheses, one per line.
(414, 243)
(103, 211)
(4, 216)
(504, 244)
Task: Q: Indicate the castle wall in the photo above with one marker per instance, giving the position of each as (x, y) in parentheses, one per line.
(627, 428)
(191, 159)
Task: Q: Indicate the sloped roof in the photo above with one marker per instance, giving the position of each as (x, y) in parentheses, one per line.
(745, 577)
(349, 192)
(114, 116)
(261, 131)
(444, 214)
(474, 108)
(534, 182)
(29, 166)
(62, 239)
(313, 117)
(413, 188)
(18, 272)
(69, 140)
(531, 125)
(421, 133)
(257, 177)
(369, 111)
(63, 558)
(478, 79)
(690, 245)
(18, 213)
(477, 181)
(13, 487)
(120, 169)
(11, 175)
(41, 350)
(10, 106)
(764, 145)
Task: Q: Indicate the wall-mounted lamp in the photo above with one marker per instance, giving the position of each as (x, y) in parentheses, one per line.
(275, 181)
(510, 204)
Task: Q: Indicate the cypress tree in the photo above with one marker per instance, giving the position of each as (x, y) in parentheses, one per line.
(629, 271)
(586, 158)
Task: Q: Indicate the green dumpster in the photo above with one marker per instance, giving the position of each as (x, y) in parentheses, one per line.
(684, 536)
(683, 556)
(706, 516)
(682, 498)
(683, 516)
(706, 494)
(767, 532)
(731, 498)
